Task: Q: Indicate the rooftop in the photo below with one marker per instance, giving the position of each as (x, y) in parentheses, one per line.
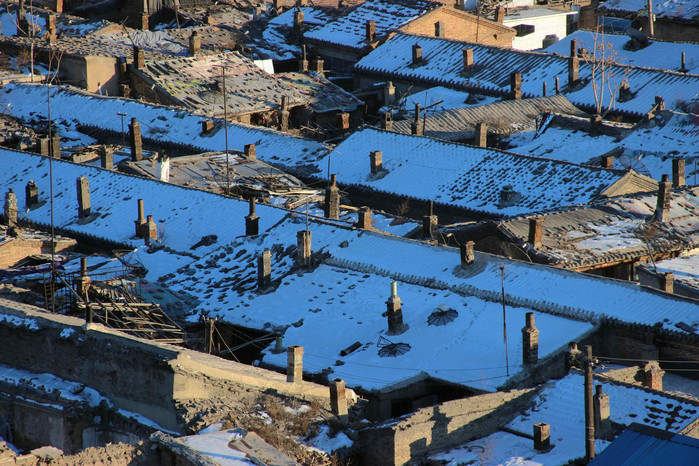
(684, 9)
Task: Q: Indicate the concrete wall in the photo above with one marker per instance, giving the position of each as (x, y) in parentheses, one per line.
(441, 426)
(136, 375)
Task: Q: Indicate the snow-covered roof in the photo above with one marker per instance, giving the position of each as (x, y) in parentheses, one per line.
(561, 405)
(662, 55)
(467, 177)
(685, 269)
(350, 30)
(683, 9)
(490, 74)
(613, 231)
(518, 15)
(159, 123)
(668, 134)
(505, 117)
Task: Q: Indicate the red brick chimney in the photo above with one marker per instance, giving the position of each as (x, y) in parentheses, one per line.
(536, 231)
(500, 14)
(662, 208)
(370, 30)
(530, 341)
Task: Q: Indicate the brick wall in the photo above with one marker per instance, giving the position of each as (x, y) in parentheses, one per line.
(14, 250)
(459, 26)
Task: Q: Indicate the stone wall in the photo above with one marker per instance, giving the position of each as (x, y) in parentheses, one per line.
(441, 426)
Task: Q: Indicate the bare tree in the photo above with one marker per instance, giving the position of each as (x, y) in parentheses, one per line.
(606, 75)
(29, 28)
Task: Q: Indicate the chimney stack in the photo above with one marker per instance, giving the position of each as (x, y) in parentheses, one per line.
(678, 172)
(467, 254)
(303, 62)
(429, 221)
(683, 69)
(415, 127)
(344, 122)
(252, 221)
(573, 64)
(298, 23)
(376, 157)
(608, 161)
(250, 152)
(417, 55)
(140, 222)
(394, 312)
(481, 135)
(332, 199)
(317, 66)
(42, 146)
(387, 121)
(536, 231)
(139, 59)
(59, 6)
(467, 58)
(653, 376)
(364, 220)
(10, 208)
(264, 270)
(667, 282)
(31, 192)
(82, 282)
(542, 436)
(106, 158)
(338, 400)
(294, 364)
(558, 86)
(284, 114)
(662, 209)
(516, 85)
(543, 89)
(389, 93)
(207, 126)
(52, 29)
(530, 341)
(370, 30)
(55, 145)
(303, 248)
(151, 230)
(194, 43)
(439, 29)
(83, 186)
(603, 425)
(136, 141)
(500, 14)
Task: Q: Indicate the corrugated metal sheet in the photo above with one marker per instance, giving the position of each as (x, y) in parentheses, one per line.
(490, 74)
(502, 118)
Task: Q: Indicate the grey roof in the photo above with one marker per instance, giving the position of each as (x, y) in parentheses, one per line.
(646, 446)
(443, 66)
(502, 118)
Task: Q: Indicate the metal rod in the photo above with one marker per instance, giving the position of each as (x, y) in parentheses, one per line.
(589, 414)
(504, 318)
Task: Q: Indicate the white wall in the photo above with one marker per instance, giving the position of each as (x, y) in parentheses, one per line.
(543, 26)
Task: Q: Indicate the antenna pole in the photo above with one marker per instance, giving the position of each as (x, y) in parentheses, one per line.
(504, 318)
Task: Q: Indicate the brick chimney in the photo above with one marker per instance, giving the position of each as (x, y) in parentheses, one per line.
(667, 282)
(460, 5)
(439, 29)
(31, 192)
(135, 139)
(106, 157)
(516, 85)
(140, 222)
(10, 208)
(139, 59)
(82, 282)
(543, 89)
(42, 146)
(394, 312)
(467, 54)
(536, 231)
(250, 152)
(607, 161)
(298, 23)
(417, 55)
(55, 145)
(52, 29)
(571, 354)
(389, 93)
(683, 69)
(573, 64)
(338, 400)
(294, 364)
(370, 30)
(284, 114)
(344, 122)
(207, 126)
(303, 248)
(332, 199)
(376, 157)
(530, 341)
(416, 127)
(429, 221)
(83, 188)
(194, 43)
(500, 14)
(364, 218)
(653, 376)
(264, 270)
(317, 66)
(678, 172)
(467, 254)
(542, 436)
(303, 62)
(603, 425)
(481, 135)
(387, 121)
(252, 221)
(151, 230)
(662, 208)
(558, 85)
(59, 6)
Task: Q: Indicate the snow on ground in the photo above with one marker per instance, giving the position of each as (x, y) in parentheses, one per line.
(214, 445)
(325, 443)
(15, 321)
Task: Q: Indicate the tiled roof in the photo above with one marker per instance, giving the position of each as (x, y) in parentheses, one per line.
(443, 66)
(613, 231)
(502, 118)
(463, 176)
(668, 134)
(350, 30)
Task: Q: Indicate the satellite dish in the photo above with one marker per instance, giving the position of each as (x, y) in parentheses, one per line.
(629, 162)
(636, 35)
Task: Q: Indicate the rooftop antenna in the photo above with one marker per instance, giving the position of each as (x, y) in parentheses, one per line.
(51, 155)
(504, 318)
